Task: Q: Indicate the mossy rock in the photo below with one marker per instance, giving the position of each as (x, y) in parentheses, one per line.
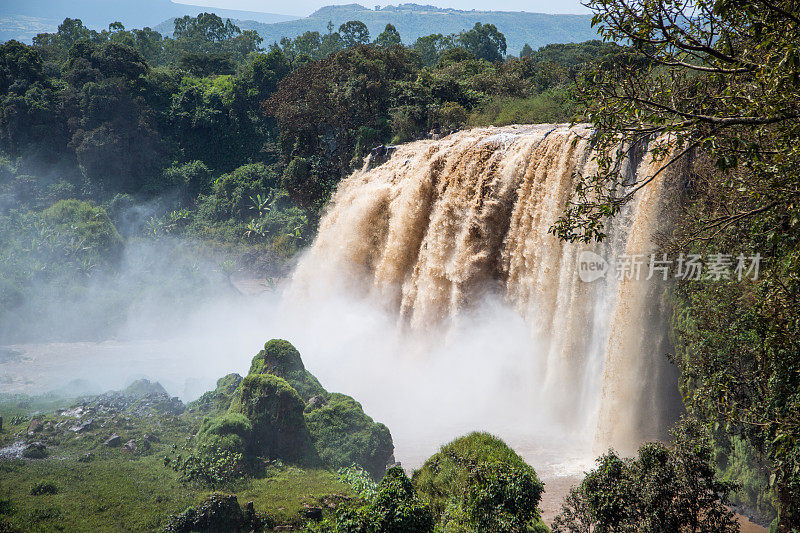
(217, 513)
(343, 435)
(143, 387)
(220, 398)
(230, 432)
(281, 359)
(446, 476)
(275, 411)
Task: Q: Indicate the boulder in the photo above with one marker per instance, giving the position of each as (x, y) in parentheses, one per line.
(34, 450)
(281, 359)
(275, 411)
(130, 446)
(113, 440)
(35, 426)
(344, 435)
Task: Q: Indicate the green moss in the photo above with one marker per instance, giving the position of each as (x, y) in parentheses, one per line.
(281, 359)
(143, 387)
(230, 433)
(275, 411)
(445, 477)
(218, 512)
(343, 435)
(220, 398)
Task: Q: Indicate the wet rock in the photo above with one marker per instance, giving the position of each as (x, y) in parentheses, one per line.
(113, 440)
(380, 154)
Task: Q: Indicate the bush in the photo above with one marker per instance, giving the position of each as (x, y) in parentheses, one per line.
(662, 489)
(395, 508)
(218, 512)
(228, 433)
(44, 487)
(85, 222)
(477, 481)
(503, 499)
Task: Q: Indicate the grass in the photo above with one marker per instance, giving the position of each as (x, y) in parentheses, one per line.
(548, 107)
(121, 491)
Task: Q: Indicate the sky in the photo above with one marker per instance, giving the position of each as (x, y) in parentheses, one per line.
(302, 8)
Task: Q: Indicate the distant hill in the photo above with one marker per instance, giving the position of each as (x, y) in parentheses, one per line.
(23, 19)
(413, 20)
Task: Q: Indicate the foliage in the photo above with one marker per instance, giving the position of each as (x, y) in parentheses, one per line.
(44, 487)
(661, 489)
(281, 359)
(394, 508)
(389, 37)
(477, 481)
(344, 435)
(275, 411)
(359, 479)
(208, 466)
(484, 41)
(218, 512)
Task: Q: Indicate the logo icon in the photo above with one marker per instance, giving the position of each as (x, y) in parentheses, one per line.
(591, 266)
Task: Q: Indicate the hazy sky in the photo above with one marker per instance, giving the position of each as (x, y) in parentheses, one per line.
(305, 7)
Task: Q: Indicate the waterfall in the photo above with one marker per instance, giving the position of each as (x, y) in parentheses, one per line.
(441, 225)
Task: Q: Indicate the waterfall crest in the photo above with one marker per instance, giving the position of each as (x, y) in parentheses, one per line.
(442, 224)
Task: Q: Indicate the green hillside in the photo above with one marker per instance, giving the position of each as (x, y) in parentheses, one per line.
(413, 20)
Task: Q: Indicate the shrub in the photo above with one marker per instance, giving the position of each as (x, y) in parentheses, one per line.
(478, 483)
(228, 433)
(661, 489)
(218, 512)
(395, 508)
(44, 487)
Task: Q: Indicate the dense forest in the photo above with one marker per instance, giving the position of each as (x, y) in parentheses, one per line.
(224, 142)
(114, 139)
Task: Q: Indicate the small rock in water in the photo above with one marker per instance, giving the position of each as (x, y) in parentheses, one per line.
(113, 440)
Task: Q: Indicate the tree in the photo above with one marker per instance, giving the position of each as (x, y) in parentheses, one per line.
(662, 489)
(354, 33)
(389, 37)
(526, 51)
(431, 47)
(484, 41)
(721, 87)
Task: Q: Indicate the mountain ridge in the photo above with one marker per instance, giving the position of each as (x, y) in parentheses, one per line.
(416, 20)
